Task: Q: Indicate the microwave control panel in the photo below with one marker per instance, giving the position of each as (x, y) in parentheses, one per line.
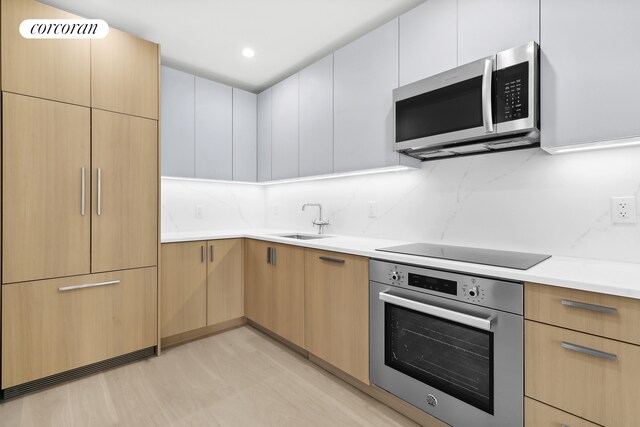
(512, 92)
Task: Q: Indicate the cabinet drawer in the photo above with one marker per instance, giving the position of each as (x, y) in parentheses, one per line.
(538, 414)
(592, 377)
(52, 326)
(599, 314)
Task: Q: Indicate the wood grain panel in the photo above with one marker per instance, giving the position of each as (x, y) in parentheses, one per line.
(46, 331)
(544, 304)
(45, 146)
(602, 391)
(184, 287)
(538, 414)
(124, 74)
(125, 234)
(225, 280)
(287, 306)
(337, 311)
(51, 69)
(258, 276)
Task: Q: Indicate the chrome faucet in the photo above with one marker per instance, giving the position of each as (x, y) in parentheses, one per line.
(319, 222)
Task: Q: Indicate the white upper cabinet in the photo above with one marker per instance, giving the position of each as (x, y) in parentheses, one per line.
(177, 115)
(244, 136)
(428, 40)
(489, 26)
(316, 118)
(589, 65)
(284, 129)
(365, 74)
(213, 130)
(264, 136)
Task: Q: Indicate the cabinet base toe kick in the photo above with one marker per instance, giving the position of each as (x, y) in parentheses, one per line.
(52, 380)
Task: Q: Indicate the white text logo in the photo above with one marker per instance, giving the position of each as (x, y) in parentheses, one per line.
(64, 29)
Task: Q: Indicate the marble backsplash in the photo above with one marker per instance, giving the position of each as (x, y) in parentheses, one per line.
(522, 200)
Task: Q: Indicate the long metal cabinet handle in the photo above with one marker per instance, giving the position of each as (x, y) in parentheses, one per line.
(88, 285)
(444, 313)
(590, 307)
(565, 425)
(202, 253)
(336, 260)
(99, 191)
(273, 256)
(588, 351)
(212, 256)
(487, 77)
(269, 255)
(82, 198)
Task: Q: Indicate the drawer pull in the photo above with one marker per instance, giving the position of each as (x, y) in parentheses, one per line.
(589, 351)
(273, 256)
(88, 285)
(590, 307)
(336, 260)
(565, 425)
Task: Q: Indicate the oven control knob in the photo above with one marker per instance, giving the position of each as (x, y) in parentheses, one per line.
(473, 292)
(395, 275)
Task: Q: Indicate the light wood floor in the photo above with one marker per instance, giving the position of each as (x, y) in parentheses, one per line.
(237, 378)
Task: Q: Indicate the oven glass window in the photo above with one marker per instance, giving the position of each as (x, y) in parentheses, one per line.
(448, 109)
(451, 357)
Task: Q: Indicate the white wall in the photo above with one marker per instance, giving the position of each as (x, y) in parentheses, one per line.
(224, 205)
(522, 200)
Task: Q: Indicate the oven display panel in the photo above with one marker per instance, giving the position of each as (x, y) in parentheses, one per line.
(433, 284)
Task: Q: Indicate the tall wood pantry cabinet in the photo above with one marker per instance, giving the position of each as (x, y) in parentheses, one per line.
(80, 197)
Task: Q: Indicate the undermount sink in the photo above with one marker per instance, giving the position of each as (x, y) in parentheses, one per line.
(303, 236)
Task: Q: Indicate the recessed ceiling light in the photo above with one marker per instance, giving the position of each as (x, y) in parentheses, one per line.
(247, 52)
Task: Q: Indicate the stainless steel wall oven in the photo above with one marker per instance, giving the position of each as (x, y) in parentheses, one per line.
(448, 343)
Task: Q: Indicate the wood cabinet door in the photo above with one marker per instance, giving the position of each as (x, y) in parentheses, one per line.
(538, 414)
(50, 69)
(49, 327)
(287, 293)
(125, 196)
(184, 287)
(46, 145)
(225, 280)
(337, 310)
(124, 74)
(258, 276)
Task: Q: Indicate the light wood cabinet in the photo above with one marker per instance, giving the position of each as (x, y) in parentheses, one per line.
(593, 377)
(124, 74)
(274, 277)
(184, 287)
(49, 69)
(225, 280)
(538, 414)
(125, 196)
(48, 328)
(599, 314)
(337, 310)
(46, 229)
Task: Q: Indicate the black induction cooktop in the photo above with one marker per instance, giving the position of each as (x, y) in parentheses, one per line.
(496, 258)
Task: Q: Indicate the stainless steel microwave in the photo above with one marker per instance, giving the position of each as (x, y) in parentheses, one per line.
(484, 106)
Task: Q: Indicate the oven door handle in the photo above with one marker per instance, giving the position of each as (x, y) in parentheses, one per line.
(487, 76)
(444, 313)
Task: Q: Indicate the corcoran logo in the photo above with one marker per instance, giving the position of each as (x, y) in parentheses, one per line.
(64, 28)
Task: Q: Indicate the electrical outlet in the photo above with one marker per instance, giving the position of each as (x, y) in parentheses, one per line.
(199, 211)
(623, 210)
(372, 209)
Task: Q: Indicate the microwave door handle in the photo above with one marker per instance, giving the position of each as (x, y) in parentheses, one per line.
(487, 78)
(443, 313)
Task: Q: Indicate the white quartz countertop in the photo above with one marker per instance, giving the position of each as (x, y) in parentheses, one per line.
(608, 277)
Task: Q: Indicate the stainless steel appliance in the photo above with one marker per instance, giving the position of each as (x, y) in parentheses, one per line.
(448, 343)
(484, 106)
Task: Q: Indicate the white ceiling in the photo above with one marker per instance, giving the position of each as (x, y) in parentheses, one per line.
(206, 37)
